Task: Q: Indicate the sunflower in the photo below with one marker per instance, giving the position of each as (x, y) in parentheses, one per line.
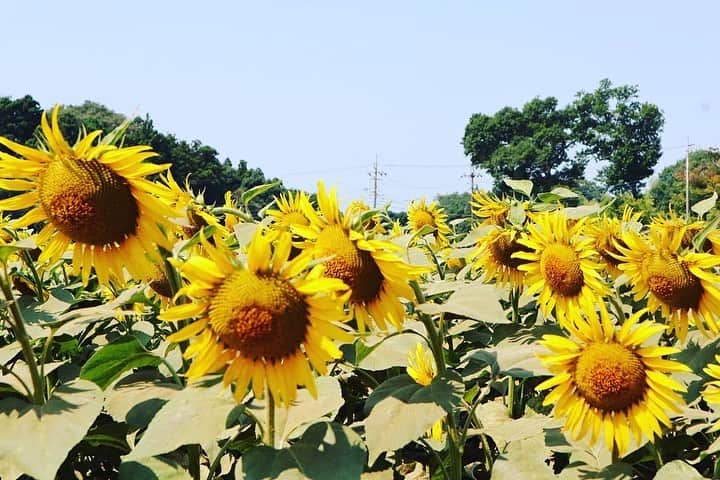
(490, 209)
(711, 392)
(420, 214)
(292, 209)
(673, 225)
(494, 256)
(421, 368)
(682, 285)
(263, 320)
(560, 266)
(197, 214)
(94, 197)
(376, 275)
(373, 224)
(606, 232)
(230, 204)
(606, 381)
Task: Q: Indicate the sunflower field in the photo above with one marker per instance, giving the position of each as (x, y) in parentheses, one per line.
(147, 335)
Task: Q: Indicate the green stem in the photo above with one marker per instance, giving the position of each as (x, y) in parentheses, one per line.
(21, 335)
(463, 434)
(270, 430)
(511, 397)
(6, 371)
(515, 302)
(193, 452)
(617, 306)
(658, 456)
(45, 350)
(36, 278)
(216, 462)
(446, 475)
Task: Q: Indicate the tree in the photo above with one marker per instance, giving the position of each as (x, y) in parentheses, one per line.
(668, 192)
(613, 126)
(456, 206)
(19, 118)
(531, 143)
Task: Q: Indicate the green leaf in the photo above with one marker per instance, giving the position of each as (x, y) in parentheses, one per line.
(306, 409)
(563, 192)
(475, 300)
(253, 192)
(137, 403)
(522, 186)
(36, 439)
(116, 358)
(155, 468)
(511, 358)
(445, 390)
(202, 409)
(517, 214)
(9, 249)
(391, 351)
(495, 421)
(699, 238)
(704, 206)
(112, 435)
(523, 459)
(326, 451)
(548, 197)
(677, 469)
(581, 211)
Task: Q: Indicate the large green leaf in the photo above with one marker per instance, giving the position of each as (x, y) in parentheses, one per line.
(503, 429)
(475, 300)
(445, 390)
(36, 439)
(704, 206)
(326, 451)
(511, 358)
(116, 358)
(677, 469)
(306, 409)
(523, 459)
(391, 351)
(194, 415)
(522, 186)
(154, 468)
(137, 403)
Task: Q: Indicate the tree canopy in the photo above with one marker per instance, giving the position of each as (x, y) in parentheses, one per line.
(552, 145)
(668, 192)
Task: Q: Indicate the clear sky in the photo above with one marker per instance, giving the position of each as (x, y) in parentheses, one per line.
(309, 89)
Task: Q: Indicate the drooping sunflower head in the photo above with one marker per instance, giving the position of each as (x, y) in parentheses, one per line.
(93, 197)
(372, 269)
(262, 321)
(494, 256)
(606, 231)
(369, 221)
(421, 214)
(197, 215)
(560, 267)
(682, 285)
(293, 209)
(489, 209)
(606, 381)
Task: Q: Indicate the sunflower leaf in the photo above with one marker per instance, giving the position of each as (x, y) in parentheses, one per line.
(704, 206)
(116, 358)
(699, 238)
(446, 391)
(253, 192)
(326, 451)
(677, 469)
(521, 186)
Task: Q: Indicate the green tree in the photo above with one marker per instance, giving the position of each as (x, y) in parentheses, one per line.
(456, 206)
(531, 143)
(612, 126)
(668, 192)
(19, 118)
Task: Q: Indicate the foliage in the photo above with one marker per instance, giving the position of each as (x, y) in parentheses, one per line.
(668, 191)
(19, 118)
(613, 127)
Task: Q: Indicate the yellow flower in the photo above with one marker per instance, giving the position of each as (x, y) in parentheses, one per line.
(372, 225)
(490, 209)
(673, 225)
(682, 285)
(193, 207)
(606, 232)
(494, 256)
(711, 393)
(420, 214)
(373, 270)
(606, 381)
(230, 219)
(292, 209)
(561, 268)
(94, 197)
(421, 368)
(263, 320)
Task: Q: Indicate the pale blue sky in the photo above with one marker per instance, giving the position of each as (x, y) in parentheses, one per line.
(309, 90)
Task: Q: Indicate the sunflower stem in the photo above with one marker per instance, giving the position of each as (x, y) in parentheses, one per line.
(39, 293)
(270, 430)
(515, 302)
(658, 456)
(18, 326)
(511, 397)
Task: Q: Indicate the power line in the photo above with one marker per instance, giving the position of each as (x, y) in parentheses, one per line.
(375, 174)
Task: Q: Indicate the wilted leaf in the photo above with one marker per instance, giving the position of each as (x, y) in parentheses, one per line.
(522, 186)
(193, 415)
(36, 439)
(326, 451)
(677, 469)
(112, 360)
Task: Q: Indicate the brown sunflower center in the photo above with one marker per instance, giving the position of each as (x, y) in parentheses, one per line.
(422, 218)
(502, 249)
(561, 269)
(160, 284)
(609, 376)
(355, 267)
(672, 282)
(259, 316)
(605, 247)
(88, 201)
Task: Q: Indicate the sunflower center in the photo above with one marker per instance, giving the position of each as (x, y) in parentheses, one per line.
(609, 376)
(502, 249)
(561, 269)
(673, 283)
(605, 247)
(88, 202)
(355, 267)
(422, 218)
(160, 284)
(259, 316)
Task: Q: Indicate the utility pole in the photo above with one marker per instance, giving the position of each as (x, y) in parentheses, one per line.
(472, 176)
(687, 180)
(375, 174)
